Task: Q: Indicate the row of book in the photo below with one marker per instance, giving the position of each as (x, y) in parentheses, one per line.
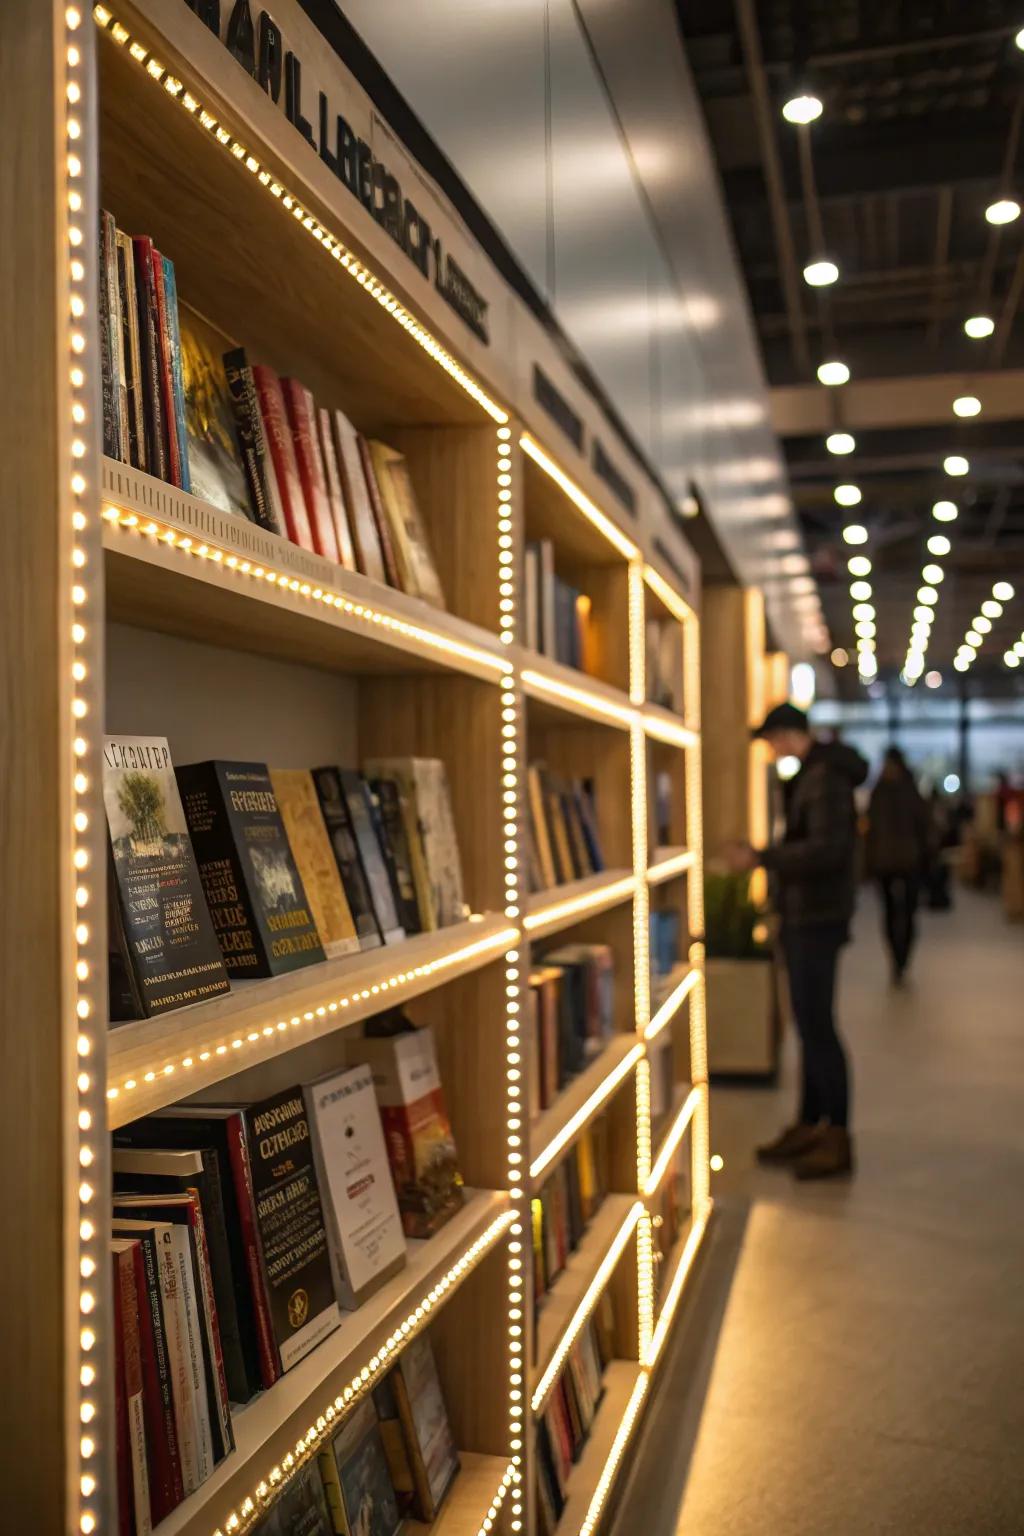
(566, 1205)
(566, 1422)
(571, 1016)
(185, 405)
(562, 837)
(240, 1231)
(556, 615)
(224, 869)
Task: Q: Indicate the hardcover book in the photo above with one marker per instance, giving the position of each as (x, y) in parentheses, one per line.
(282, 456)
(364, 1227)
(327, 782)
(357, 802)
(366, 539)
(254, 891)
(415, 563)
(129, 1389)
(164, 352)
(336, 496)
(150, 358)
(134, 452)
(167, 953)
(265, 504)
(311, 849)
(115, 405)
(432, 1452)
(301, 412)
(163, 1463)
(355, 1473)
(392, 814)
(214, 464)
(424, 783)
(301, 1508)
(172, 329)
(380, 517)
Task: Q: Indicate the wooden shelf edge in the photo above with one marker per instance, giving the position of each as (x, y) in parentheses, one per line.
(669, 862)
(565, 1294)
(680, 1093)
(666, 726)
(563, 905)
(622, 1378)
(577, 693)
(179, 1053)
(469, 1498)
(271, 1426)
(561, 1118)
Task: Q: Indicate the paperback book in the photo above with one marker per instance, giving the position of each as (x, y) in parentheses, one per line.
(432, 1452)
(311, 848)
(436, 866)
(214, 463)
(355, 1472)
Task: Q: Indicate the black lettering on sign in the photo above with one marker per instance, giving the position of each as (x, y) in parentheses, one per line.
(325, 149)
(293, 97)
(271, 61)
(241, 39)
(208, 12)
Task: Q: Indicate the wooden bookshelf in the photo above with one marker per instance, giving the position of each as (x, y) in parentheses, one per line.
(568, 1291)
(556, 1129)
(468, 1500)
(561, 906)
(621, 1379)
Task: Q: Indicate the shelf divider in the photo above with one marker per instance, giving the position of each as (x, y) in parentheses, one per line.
(557, 1127)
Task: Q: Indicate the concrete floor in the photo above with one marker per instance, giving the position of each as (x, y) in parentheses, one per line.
(851, 1356)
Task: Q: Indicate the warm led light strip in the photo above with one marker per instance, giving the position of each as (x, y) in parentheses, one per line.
(253, 571)
(586, 1306)
(604, 525)
(667, 869)
(324, 1424)
(593, 703)
(670, 1007)
(615, 1454)
(572, 906)
(330, 243)
(669, 732)
(509, 1476)
(675, 1290)
(676, 605)
(496, 942)
(672, 1139)
(586, 1110)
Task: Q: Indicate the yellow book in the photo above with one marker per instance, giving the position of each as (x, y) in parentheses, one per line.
(311, 849)
(416, 569)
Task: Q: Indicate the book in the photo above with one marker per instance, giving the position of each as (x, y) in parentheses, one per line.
(417, 572)
(539, 824)
(365, 538)
(164, 366)
(172, 333)
(311, 848)
(327, 782)
(380, 517)
(282, 460)
(588, 1000)
(163, 1463)
(301, 1508)
(356, 796)
(165, 950)
(129, 1392)
(115, 401)
(531, 596)
(335, 493)
(391, 806)
(432, 1453)
(253, 889)
(265, 504)
(135, 451)
(301, 413)
(355, 1472)
(423, 781)
(211, 444)
(417, 1131)
(149, 358)
(364, 1226)
(392, 1434)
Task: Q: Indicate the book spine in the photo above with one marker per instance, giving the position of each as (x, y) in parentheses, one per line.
(149, 358)
(131, 1355)
(122, 1439)
(163, 354)
(211, 1327)
(332, 1488)
(270, 1360)
(194, 1353)
(164, 1468)
(182, 1393)
(379, 515)
(282, 456)
(252, 444)
(300, 411)
(173, 332)
(110, 337)
(342, 532)
(135, 447)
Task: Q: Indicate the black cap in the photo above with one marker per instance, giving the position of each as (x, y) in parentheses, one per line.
(784, 717)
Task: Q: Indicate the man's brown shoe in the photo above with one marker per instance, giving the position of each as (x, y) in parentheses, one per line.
(794, 1142)
(830, 1157)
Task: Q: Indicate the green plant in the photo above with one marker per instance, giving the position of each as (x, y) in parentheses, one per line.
(734, 928)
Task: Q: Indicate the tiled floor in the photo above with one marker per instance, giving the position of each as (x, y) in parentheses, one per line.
(852, 1355)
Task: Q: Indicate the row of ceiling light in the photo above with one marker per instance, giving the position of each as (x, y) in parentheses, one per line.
(981, 625)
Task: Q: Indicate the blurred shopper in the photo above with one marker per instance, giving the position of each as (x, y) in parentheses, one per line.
(941, 837)
(897, 853)
(815, 887)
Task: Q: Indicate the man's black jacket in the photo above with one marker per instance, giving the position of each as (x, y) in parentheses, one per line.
(814, 865)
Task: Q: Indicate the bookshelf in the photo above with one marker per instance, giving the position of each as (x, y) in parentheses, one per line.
(256, 646)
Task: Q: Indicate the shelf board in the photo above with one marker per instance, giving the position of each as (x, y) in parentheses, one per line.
(468, 1500)
(366, 628)
(556, 1128)
(661, 1126)
(667, 998)
(557, 690)
(555, 511)
(267, 1428)
(620, 1380)
(669, 862)
(565, 1294)
(666, 726)
(269, 1017)
(560, 906)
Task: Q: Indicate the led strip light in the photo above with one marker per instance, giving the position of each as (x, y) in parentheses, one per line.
(615, 1454)
(604, 525)
(589, 700)
(675, 1290)
(670, 1007)
(668, 731)
(677, 606)
(509, 1477)
(672, 1139)
(602, 1092)
(575, 906)
(641, 941)
(667, 869)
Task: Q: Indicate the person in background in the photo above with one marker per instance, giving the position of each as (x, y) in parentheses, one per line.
(815, 888)
(1004, 798)
(897, 853)
(941, 836)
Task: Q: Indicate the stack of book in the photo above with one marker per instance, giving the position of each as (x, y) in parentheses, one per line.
(556, 615)
(221, 870)
(238, 1233)
(571, 1015)
(565, 1206)
(181, 402)
(566, 1422)
(562, 840)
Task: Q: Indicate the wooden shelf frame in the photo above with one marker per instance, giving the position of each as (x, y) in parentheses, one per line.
(625, 1386)
(562, 906)
(557, 1129)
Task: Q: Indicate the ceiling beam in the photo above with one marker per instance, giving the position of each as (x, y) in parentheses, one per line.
(800, 410)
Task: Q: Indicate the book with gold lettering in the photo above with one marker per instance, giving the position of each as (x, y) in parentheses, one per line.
(254, 891)
(311, 848)
(413, 556)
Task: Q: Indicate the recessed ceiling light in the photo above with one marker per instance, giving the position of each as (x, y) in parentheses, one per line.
(961, 663)
(1011, 658)
(945, 512)
(839, 657)
(967, 405)
(991, 609)
(1018, 646)
(955, 464)
(1019, 39)
(819, 274)
(859, 565)
(982, 624)
(847, 495)
(933, 679)
(855, 533)
(833, 372)
(867, 666)
(938, 544)
(933, 574)
(927, 595)
(1003, 211)
(977, 327)
(860, 591)
(973, 638)
(1003, 591)
(802, 109)
(840, 442)
(922, 614)
(863, 611)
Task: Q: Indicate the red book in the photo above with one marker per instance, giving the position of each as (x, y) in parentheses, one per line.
(380, 517)
(133, 1489)
(282, 455)
(164, 363)
(270, 1360)
(302, 419)
(346, 553)
(162, 1461)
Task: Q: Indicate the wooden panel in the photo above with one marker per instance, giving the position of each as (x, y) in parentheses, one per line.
(471, 1346)
(549, 514)
(468, 1499)
(725, 714)
(577, 750)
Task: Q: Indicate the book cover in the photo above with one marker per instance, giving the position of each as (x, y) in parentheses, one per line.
(301, 1508)
(327, 782)
(365, 538)
(583, 802)
(380, 517)
(417, 1131)
(424, 783)
(356, 1477)
(211, 445)
(415, 563)
(282, 455)
(115, 418)
(163, 1464)
(134, 452)
(311, 849)
(391, 805)
(128, 1353)
(290, 1225)
(364, 1227)
(172, 336)
(163, 355)
(335, 493)
(254, 891)
(265, 504)
(301, 413)
(392, 1434)
(432, 1452)
(357, 802)
(149, 358)
(170, 947)
(539, 824)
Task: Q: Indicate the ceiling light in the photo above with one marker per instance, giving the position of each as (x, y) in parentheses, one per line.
(967, 405)
(847, 495)
(938, 544)
(961, 663)
(1019, 39)
(973, 639)
(1018, 646)
(982, 624)
(923, 615)
(955, 464)
(840, 442)
(1011, 658)
(1003, 211)
(933, 679)
(933, 574)
(945, 511)
(865, 629)
(866, 643)
(977, 327)
(867, 666)
(927, 595)
(855, 533)
(839, 657)
(802, 109)
(818, 274)
(1003, 591)
(991, 609)
(863, 611)
(860, 591)
(834, 372)
(859, 565)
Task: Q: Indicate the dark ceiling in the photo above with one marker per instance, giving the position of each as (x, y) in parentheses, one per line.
(921, 129)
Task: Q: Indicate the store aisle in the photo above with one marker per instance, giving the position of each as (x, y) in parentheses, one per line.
(854, 1356)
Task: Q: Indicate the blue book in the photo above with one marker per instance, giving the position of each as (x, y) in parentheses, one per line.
(177, 376)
